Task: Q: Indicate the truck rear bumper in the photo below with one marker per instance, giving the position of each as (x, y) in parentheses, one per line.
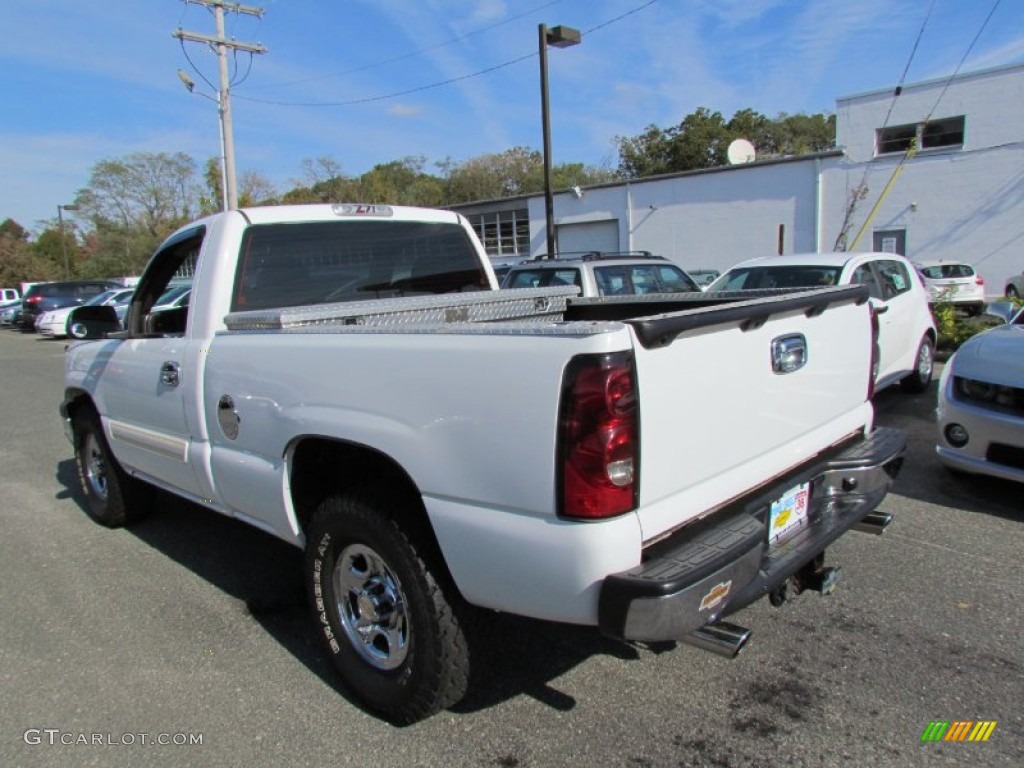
(725, 562)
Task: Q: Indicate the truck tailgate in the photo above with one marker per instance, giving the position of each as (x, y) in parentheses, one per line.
(718, 418)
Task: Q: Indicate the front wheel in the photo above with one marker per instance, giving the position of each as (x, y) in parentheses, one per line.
(924, 364)
(394, 626)
(113, 498)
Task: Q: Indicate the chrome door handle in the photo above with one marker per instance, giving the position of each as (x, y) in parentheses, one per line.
(169, 374)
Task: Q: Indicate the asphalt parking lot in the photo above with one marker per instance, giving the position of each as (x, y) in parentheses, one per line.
(192, 625)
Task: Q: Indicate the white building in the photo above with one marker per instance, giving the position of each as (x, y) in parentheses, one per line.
(960, 196)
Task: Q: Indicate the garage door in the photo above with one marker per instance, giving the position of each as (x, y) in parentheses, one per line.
(591, 236)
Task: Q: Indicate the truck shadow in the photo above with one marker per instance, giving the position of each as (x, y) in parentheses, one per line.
(519, 656)
(923, 477)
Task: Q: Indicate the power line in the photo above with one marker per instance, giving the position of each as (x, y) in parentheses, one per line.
(430, 86)
(913, 52)
(912, 149)
(224, 93)
(963, 59)
(861, 189)
(410, 54)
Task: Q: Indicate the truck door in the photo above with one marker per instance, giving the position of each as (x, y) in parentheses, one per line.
(146, 398)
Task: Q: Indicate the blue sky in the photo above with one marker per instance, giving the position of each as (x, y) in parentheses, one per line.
(88, 81)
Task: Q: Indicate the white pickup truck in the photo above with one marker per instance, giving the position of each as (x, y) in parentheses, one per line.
(349, 379)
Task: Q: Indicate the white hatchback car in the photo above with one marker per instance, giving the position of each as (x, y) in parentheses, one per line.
(954, 282)
(906, 328)
(980, 414)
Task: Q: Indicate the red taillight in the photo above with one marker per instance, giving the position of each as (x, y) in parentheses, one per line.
(599, 437)
(33, 299)
(979, 280)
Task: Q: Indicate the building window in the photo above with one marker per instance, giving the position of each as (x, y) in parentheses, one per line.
(504, 233)
(935, 134)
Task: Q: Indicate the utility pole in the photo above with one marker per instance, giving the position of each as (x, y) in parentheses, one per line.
(224, 101)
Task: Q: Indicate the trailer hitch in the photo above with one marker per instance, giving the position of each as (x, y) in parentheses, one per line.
(814, 576)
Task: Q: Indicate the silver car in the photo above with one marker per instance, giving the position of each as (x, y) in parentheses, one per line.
(1015, 286)
(981, 404)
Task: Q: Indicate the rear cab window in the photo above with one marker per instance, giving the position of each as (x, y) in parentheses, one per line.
(285, 265)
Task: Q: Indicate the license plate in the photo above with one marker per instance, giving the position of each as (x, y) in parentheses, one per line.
(788, 514)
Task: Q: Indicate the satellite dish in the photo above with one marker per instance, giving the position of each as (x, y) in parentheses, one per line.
(740, 151)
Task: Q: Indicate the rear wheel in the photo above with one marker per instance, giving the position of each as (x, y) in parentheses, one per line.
(113, 498)
(393, 624)
(924, 364)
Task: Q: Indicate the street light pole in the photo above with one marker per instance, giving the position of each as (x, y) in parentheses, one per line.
(221, 44)
(559, 37)
(222, 160)
(63, 240)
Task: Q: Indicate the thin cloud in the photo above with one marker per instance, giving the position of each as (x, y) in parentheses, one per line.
(404, 110)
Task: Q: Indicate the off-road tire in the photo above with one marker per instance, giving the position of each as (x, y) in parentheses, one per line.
(392, 622)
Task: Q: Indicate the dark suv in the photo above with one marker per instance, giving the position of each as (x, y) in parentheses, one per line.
(43, 297)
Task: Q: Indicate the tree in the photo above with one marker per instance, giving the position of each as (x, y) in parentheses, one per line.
(16, 262)
(402, 182)
(253, 189)
(155, 192)
(516, 171)
(133, 203)
(702, 138)
(800, 134)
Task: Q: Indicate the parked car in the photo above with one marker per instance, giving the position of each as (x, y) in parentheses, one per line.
(1015, 287)
(980, 415)
(906, 332)
(8, 311)
(704, 277)
(42, 297)
(603, 274)
(55, 322)
(954, 282)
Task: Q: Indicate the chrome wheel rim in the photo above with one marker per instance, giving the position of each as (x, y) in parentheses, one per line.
(371, 607)
(95, 466)
(924, 363)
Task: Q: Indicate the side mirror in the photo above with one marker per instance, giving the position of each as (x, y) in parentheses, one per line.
(92, 322)
(1004, 310)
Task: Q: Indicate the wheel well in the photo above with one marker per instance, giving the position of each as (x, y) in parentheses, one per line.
(320, 467)
(76, 401)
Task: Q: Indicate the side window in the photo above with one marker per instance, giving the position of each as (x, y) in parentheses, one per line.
(524, 278)
(611, 281)
(865, 275)
(675, 281)
(564, 277)
(164, 274)
(894, 278)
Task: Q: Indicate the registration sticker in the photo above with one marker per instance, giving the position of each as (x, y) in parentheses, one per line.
(789, 513)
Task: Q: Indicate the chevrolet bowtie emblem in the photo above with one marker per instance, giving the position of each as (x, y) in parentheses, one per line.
(717, 594)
